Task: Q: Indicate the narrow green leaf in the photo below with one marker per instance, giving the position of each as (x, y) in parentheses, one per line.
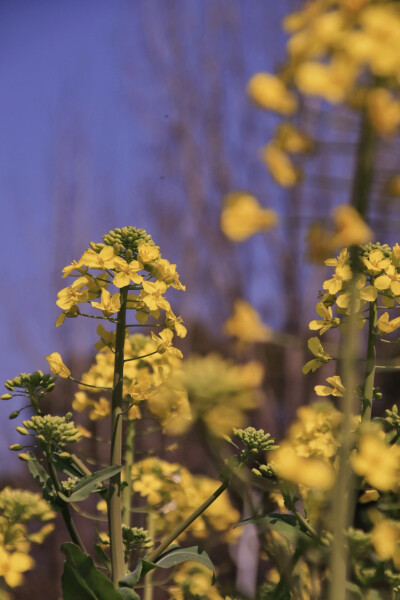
(176, 555)
(81, 580)
(66, 465)
(141, 569)
(89, 484)
(286, 525)
(40, 475)
(102, 557)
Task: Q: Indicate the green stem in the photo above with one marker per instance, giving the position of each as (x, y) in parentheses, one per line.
(342, 493)
(65, 512)
(98, 387)
(148, 583)
(129, 458)
(114, 504)
(370, 364)
(185, 524)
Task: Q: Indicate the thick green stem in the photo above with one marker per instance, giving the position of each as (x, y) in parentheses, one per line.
(185, 524)
(129, 458)
(148, 583)
(370, 364)
(114, 503)
(342, 493)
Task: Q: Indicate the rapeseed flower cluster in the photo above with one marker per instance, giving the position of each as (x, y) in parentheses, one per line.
(219, 391)
(378, 281)
(172, 493)
(127, 258)
(17, 509)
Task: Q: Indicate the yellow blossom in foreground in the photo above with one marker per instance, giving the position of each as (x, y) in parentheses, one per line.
(385, 538)
(164, 342)
(335, 388)
(109, 304)
(126, 272)
(386, 326)
(280, 165)
(57, 366)
(309, 472)
(327, 320)
(103, 260)
(321, 356)
(13, 564)
(270, 92)
(389, 281)
(148, 252)
(245, 324)
(243, 216)
(377, 462)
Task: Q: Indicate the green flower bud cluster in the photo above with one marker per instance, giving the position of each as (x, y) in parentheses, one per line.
(263, 471)
(367, 248)
(36, 384)
(255, 440)
(358, 540)
(125, 241)
(135, 538)
(69, 484)
(392, 417)
(56, 431)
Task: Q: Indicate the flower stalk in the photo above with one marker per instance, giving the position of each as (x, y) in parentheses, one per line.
(114, 503)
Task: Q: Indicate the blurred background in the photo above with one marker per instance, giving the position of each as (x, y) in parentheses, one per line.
(135, 113)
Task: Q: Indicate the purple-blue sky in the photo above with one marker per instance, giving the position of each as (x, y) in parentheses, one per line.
(90, 98)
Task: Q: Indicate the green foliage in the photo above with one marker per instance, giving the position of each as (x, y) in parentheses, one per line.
(89, 484)
(81, 580)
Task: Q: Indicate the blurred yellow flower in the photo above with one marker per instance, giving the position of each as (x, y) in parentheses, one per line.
(270, 92)
(57, 366)
(309, 472)
(242, 217)
(331, 81)
(280, 165)
(385, 537)
(13, 564)
(245, 324)
(377, 462)
(350, 228)
(383, 111)
(292, 140)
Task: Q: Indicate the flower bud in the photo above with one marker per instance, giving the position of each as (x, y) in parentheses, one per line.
(6, 397)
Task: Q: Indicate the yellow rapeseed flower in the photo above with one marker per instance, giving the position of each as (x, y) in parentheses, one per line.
(308, 472)
(243, 217)
(109, 304)
(57, 366)
(270, 92)
(12, 565)
(335, 388)
(377, 462)
(245, 324)
(280, 166)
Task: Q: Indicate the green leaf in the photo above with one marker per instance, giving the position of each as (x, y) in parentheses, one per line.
(102, 557)
(128, 593)
(286, 525)
(81, 580)
(141, 569)
(176, 555)
(89, 484)
(66, 465)
(44, 480)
